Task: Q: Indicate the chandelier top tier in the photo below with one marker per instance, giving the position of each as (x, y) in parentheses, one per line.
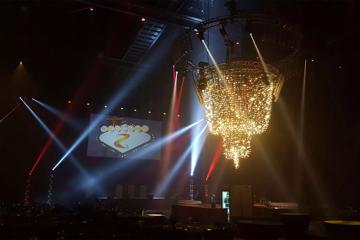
(281, 39)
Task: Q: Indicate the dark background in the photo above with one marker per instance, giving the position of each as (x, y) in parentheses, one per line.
(69, 51)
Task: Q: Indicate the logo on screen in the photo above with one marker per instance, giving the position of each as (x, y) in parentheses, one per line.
(125, 138)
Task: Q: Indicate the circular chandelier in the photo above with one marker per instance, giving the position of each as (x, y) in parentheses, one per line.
(237, 97)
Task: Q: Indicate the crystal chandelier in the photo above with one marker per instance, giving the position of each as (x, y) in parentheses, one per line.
(237, 97)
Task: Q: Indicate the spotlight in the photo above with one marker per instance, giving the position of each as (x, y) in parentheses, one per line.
(149, 112)
(237, 43)
(143, 19)
(69, 101)
(105, 106)
(20, 62)
(200, 34)
(178, 115)
(121, 108)
(164, 113)
(91, 9)
(87, 104)
(135, 110)
(312, 60)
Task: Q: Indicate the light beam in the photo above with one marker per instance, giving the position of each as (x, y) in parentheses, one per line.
(169, 177)
(214, 160)
(63, 116)
(136, 157)
(54, 137)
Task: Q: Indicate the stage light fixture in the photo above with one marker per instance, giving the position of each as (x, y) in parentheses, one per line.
(149, 112)
(121, 108)
(200, 34)
(69, 101)
(105, 106)
(20, 62)
(88, 104)
(143, 19)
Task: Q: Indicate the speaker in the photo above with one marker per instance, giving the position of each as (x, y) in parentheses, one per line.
(241, 201)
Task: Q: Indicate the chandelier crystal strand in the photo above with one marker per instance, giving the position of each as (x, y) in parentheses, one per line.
(240, 106)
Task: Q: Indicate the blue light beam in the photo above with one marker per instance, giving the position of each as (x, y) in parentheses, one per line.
(179, 163)
(124, 92)
(131, 83)
(197, 112)
(157, 144)
(63, 116)
(55, 138)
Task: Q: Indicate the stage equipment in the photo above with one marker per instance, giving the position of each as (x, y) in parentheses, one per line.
(237, 94)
